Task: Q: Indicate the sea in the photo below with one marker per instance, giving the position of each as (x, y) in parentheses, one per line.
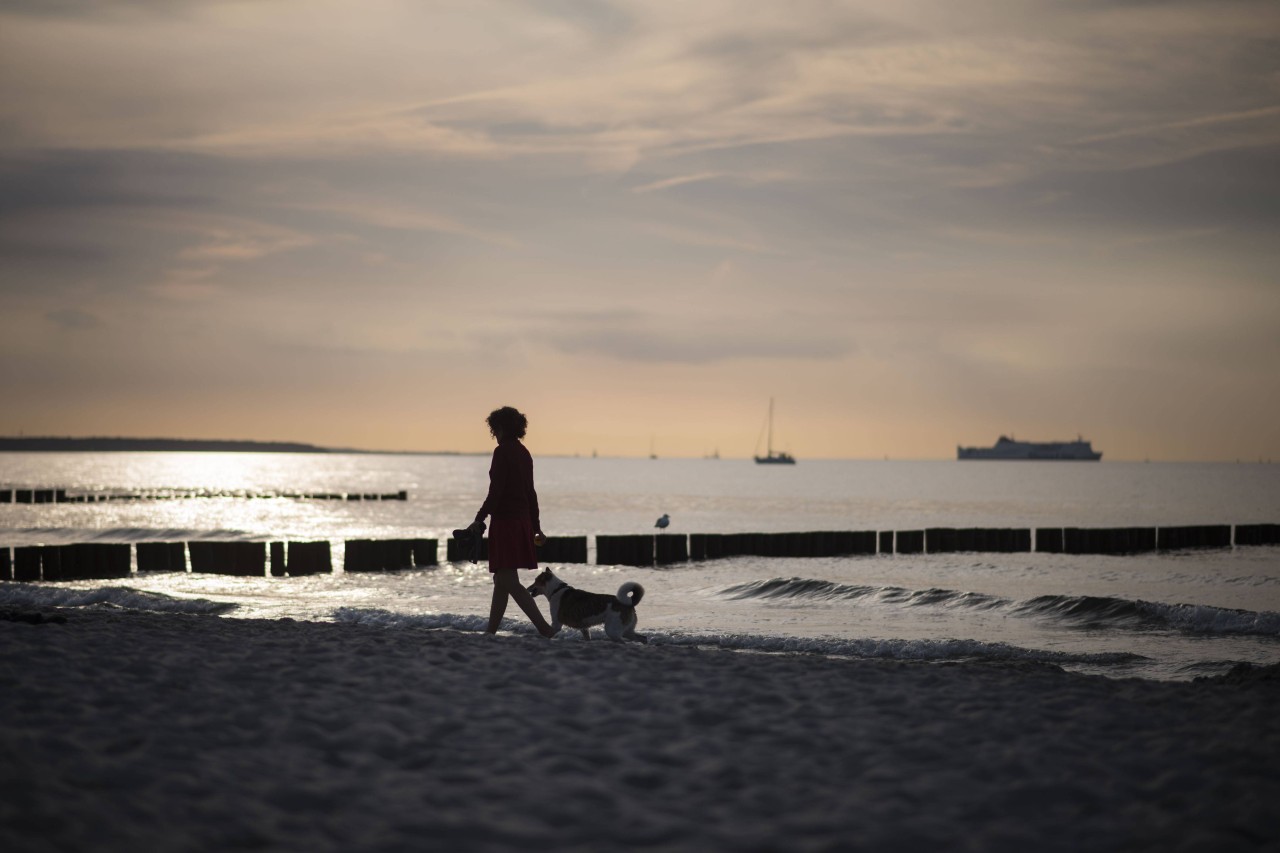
(1167, 615)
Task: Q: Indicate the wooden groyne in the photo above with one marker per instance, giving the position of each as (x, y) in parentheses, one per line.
(102, 561)
(64, 496)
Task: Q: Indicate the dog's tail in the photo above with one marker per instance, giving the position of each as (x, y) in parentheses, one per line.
(630, 593)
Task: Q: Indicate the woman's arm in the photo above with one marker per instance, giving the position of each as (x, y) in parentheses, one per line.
(497, 482)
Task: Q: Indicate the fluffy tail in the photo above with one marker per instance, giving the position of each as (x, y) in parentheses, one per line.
(630, 593)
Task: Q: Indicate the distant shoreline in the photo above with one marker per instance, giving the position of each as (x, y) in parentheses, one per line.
(49, 444)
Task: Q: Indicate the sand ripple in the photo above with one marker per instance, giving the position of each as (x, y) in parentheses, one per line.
(128, 731)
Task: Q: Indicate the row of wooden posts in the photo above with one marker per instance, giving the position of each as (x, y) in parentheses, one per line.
(297, 559)
(60, 496)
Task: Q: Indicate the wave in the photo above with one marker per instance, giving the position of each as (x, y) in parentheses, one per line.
(907, 650)
(802, 588)
(1080, 611)
(32, 596)
(1089, 611)
(817, 590)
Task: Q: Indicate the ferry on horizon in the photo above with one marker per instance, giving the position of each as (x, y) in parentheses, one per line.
(1008, 448)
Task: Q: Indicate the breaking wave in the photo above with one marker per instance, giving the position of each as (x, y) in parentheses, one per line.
(1079, 611)
(1088, 611)
(32, 596)
(815, 590)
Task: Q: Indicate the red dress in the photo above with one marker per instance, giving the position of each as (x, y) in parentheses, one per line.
(512, 505)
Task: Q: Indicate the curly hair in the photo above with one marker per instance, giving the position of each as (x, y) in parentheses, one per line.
(509, 421)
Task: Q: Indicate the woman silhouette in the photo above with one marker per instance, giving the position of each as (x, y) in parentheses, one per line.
(512, 505)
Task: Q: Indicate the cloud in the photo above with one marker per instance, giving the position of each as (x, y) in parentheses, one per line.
(116, 8)
(941, 195)
(73, 319)
(669, 338)
(678, 181)
(598, 17)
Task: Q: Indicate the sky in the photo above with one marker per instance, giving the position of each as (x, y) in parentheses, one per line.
(914, 225)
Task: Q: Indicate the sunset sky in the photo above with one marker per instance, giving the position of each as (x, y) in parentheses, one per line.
(914, 224)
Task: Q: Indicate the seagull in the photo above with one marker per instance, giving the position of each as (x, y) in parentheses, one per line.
(663, 522)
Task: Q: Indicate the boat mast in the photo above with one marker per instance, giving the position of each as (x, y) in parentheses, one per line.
(770, 444)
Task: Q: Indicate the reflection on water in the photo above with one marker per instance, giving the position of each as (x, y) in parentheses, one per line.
(589, 496)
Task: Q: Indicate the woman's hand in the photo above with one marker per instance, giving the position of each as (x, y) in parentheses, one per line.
(538, 539)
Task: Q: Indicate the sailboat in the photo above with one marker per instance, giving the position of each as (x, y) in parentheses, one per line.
(779, 458)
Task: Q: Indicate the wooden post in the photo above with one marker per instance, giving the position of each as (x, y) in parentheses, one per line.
(563, 549)
(80, 561)
(278, 566)
(1075, 540)
(909, 541)
(249, 559)
(1049, 540)
(221, 558)
(77, 562)
(152, 557)
(178, 557)
(940, 540)
(161, 557)
(401, 554)
(1257, 534)
(1199, 536)
(26, 563)
(91, 561)
(309, 558)
(51, 562)
(119, 560)
(863, 542)
(670, 548)
(357, 555)
(200, 557)
(625, 550)
(426, 552)
(1140, 540)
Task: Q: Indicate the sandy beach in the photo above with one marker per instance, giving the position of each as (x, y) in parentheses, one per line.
(138, 731)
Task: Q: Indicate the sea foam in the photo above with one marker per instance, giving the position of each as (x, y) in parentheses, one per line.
(889, 649)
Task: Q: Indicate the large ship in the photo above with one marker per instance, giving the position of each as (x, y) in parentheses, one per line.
(1008, 448)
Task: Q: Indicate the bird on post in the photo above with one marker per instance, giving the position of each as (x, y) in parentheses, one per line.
(663, 522)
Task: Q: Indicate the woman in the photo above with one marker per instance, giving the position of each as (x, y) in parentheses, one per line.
(512, 505)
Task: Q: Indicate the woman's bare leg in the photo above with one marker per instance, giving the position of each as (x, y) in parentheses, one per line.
(506, 582)
(498, 607)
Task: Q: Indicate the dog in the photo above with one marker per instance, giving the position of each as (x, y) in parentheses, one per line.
(583, 610)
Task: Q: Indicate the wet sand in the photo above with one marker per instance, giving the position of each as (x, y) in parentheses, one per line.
(136, 731)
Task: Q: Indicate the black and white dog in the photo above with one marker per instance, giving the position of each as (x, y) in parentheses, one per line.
(582, 610)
